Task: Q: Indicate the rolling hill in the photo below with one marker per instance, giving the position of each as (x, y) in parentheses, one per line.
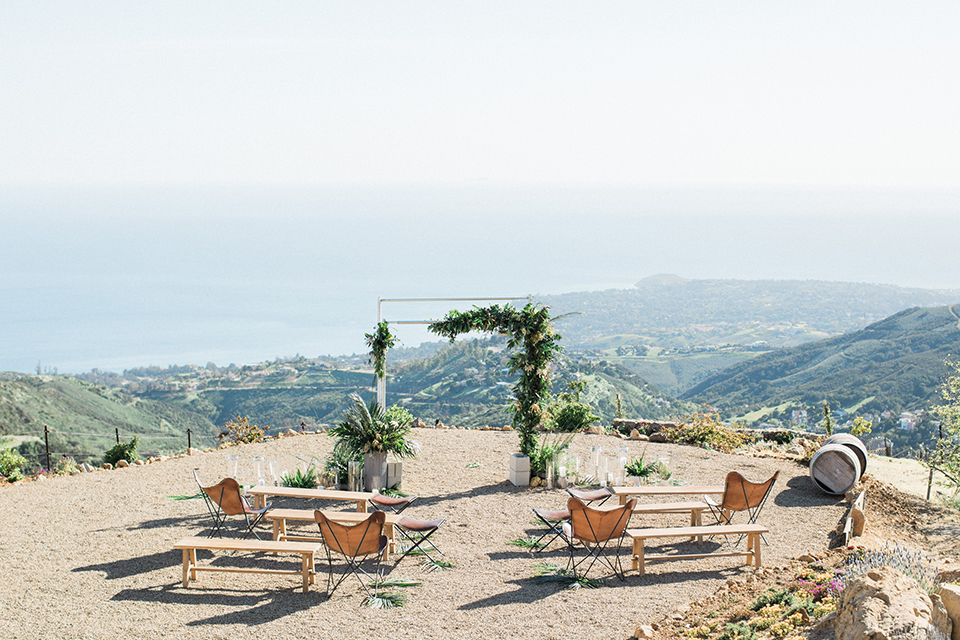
(892, 365)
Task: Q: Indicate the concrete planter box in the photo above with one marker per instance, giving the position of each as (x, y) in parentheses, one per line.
(394, 473)
(375, 471)
(519, 470)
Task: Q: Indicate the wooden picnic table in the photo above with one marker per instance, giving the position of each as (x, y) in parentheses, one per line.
(260, 495)
(626, 493)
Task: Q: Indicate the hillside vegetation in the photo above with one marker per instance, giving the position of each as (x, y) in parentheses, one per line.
(890, 366)
(83, 418)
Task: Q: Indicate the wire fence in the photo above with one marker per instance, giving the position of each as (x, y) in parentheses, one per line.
(52, 454)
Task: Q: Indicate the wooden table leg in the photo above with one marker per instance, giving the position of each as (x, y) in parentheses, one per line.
(277, 529)
(186, 567)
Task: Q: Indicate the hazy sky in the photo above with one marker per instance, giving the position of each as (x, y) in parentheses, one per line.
(233, 181)
(642, 93)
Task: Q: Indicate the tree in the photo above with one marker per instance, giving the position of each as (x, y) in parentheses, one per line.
(531, 330)
(945, 457)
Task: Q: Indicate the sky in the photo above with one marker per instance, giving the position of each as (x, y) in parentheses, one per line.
(185, 182)
(852, 94)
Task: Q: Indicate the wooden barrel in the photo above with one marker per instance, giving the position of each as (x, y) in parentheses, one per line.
(855, 444)
(835, 468)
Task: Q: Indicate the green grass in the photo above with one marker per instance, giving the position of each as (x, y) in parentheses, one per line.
(385, 601)
(551, 573)
(526, 543)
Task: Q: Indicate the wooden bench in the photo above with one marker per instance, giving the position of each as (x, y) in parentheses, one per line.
(279, 518)
(695, 509)
(190, 546)
(752, 531)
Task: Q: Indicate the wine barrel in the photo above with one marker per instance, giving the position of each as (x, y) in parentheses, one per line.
(855, 445)
(835, 468)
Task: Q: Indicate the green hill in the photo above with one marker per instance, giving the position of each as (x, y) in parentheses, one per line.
(892, 365)
(467, 384)
(83, 418)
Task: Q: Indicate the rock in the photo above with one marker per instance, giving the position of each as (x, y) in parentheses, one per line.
(535, 481)
(108, 466)
(806, 558)
(122, 463)
(794, 451)
(418, 423)
(950, 595)
(40, 477)
(644, 631)
(594, 429)
(859, 520)
(193, 452)
(658, 437)
(884, 603)
(139, 463)
(289, 433)
(75, 472)
(86, 467)
(507, 427)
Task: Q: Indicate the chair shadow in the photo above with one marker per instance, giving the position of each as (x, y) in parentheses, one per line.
(484, 490)
(802, 492)
(249, 608)
(533, 589)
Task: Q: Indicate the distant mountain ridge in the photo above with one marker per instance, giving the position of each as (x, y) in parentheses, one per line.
(896, 363)
(669, 311)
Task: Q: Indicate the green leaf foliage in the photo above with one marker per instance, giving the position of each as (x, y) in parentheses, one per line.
(530, 331)
(366, 429)
(123, 451)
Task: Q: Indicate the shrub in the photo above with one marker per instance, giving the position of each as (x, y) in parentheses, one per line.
(399, 414)
(11, 464)
(546, 452)
(301, 479)
(336, 463)
(573, 417)
(64, 465)
(240, 430)
(706, 429)
(122, 451)
(909, 563)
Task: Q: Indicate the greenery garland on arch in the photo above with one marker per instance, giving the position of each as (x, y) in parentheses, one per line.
(380, 341)
(531, 330)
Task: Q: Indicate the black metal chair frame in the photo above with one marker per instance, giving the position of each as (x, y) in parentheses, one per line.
(417, 538)
(554, 526)
(220, 518)
(354, 566)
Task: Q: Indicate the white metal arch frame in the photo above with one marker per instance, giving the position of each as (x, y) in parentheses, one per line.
(382, 382)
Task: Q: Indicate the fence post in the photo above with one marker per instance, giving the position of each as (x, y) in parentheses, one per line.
(46, 444)
(118, 435)
(189, 441)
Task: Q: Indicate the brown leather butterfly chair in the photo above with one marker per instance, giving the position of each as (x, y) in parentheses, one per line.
(354, 542)
(739, 494)
(224, 499)
(596, 528)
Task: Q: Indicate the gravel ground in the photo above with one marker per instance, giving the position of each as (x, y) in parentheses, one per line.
(91, 556)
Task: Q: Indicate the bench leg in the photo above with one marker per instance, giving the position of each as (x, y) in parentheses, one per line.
(756, 549)
(361, 506)
(638, 563)
(696, 520)
(193, 565)
(186, 567)
(305, 564)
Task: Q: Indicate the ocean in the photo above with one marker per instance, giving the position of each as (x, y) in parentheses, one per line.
(115, 278)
